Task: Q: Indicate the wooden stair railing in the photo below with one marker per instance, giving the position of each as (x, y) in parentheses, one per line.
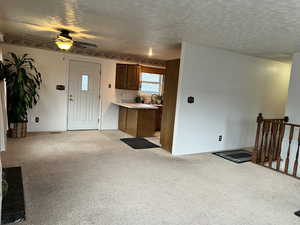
(295, 169)
(269, 150)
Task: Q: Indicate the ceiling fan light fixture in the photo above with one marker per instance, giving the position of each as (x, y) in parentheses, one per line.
(64, 43)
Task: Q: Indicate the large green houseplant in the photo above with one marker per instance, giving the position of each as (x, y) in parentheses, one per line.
(22, 84)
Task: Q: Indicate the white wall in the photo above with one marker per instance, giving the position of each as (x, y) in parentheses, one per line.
(230, 90)
(52, 107)
(293, 106)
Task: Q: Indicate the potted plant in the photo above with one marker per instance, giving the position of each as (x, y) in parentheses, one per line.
(139, 99)
(22, 84)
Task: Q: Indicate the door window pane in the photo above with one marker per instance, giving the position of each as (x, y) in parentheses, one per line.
(84, 83)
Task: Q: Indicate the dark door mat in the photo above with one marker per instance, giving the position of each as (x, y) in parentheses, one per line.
(237, 156)
(13, 204)
(139, 143)
(297, 213)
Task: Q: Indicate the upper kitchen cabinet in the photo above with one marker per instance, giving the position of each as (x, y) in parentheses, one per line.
(121, 76)
(133, 77)
(128, 76)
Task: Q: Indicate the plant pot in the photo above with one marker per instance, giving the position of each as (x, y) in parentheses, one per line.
(18, 130)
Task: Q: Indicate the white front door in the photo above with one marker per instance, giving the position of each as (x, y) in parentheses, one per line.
(84, 95)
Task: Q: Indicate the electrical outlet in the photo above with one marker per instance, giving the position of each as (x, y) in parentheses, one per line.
(37, 119)
(220, 137)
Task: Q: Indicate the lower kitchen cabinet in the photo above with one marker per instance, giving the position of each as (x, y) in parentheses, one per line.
(122, 118)
(137, 122)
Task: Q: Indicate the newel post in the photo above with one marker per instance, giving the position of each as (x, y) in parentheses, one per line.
(255, 154)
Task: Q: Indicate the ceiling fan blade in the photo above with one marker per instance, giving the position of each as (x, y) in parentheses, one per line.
(81, 44)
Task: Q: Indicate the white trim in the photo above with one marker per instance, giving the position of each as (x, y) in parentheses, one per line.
(67, 87)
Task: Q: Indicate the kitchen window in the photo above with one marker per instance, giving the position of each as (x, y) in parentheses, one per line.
(151, 83)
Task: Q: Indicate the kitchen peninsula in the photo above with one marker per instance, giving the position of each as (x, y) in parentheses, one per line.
(136, 119)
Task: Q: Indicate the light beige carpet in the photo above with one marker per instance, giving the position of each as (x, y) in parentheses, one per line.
(90, 177)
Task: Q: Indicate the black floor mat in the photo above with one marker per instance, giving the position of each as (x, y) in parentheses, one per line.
(13, 205)
(139, 143)
(237, 156)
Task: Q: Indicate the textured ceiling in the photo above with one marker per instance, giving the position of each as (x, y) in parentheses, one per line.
(265, 28)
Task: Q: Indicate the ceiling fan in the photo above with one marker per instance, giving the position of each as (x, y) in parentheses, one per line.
(64, 41)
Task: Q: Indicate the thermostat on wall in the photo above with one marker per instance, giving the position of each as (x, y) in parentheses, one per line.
(191, 99)
(60, 87)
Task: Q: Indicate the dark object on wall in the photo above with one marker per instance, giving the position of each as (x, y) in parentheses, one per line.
(297, 213)
(13, 204)
(37, 119)
(60, 87)
(191, 100)
(139, 143)
(237, 156)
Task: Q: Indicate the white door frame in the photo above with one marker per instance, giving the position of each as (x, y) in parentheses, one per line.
(79, 59)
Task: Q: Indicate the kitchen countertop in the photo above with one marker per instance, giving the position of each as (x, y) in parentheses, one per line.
(136, 105)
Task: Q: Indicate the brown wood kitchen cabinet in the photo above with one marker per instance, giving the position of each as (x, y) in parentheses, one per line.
(121, 76)
(137, 122)
(128, 76)
(123, 119)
